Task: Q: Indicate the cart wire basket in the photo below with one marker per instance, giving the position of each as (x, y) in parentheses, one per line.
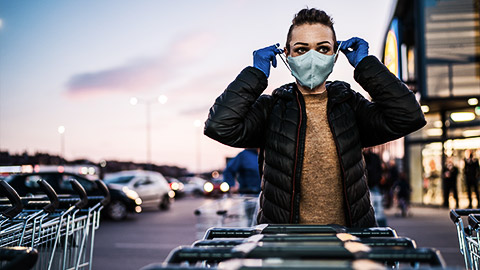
(467, 236)
(59, 229)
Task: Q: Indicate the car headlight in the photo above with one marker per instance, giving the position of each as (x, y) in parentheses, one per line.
(224, 187)
(208, 187)
(132, 194)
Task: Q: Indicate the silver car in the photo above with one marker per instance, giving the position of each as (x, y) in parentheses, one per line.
(152, 187)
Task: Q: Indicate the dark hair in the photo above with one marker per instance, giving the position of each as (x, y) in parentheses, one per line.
(311, 16)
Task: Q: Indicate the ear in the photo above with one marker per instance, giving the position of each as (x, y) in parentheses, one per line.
(286, 51)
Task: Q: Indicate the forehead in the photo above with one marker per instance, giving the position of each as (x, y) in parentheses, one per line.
(311, 33)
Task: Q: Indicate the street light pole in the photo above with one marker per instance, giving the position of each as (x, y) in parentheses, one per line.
(162, 99)
(149, 143)
(198, 124)
(61, 131)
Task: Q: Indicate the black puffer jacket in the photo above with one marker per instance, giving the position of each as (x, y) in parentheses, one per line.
(242, 117)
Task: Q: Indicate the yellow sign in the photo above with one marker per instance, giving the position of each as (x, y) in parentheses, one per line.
(391, 53)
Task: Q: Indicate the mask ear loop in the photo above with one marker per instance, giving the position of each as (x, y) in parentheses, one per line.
(338, 49)
(283, 60)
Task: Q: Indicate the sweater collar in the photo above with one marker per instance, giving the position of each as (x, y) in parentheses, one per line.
(337, 91)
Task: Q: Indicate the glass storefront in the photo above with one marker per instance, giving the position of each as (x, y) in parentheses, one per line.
(438, 58)
(426, 169)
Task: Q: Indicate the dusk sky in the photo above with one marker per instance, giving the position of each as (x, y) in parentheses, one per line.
(77, 64)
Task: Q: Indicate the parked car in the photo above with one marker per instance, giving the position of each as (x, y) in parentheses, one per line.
(152, 188)
(123, 201)
(192, 185)
(176, 186)
(215, 187)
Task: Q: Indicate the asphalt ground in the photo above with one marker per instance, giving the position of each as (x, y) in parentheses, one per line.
(429, 227)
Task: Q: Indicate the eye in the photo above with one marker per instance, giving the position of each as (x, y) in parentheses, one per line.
(323, 49)
(301, 50)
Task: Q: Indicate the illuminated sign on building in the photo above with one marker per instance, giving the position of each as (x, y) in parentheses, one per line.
(391, 57)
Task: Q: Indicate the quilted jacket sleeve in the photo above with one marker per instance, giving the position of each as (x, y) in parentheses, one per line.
(393, 113)
(237, 118)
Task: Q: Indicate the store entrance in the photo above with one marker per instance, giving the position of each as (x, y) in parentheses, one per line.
(433, 185)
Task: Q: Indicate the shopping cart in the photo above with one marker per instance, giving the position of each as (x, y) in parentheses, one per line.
(346, 251)
(232, 210)
(12, 206)
(473, 240)
(277, 264)
(464, 234)
(309, 242)
(24, 216)
(397, 242)
(61, 228)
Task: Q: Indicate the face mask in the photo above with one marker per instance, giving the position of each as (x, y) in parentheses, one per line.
(312, 68)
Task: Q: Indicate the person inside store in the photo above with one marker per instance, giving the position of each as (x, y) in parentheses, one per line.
(471, 174)
(449, 182)
(311, 132)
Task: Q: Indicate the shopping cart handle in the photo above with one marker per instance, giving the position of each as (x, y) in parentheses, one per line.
(104, 189)
(412, 255)
(473, 221)
(12, 195)
(81, 192)
(302, 228)
(52, 196)
(372, 232)
(229, 233)
(18, 258)
(195, 254)
(456, 214)
(387, 242)
(218, 243)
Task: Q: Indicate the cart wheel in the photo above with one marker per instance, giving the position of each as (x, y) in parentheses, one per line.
(117, 210)
(165, 203)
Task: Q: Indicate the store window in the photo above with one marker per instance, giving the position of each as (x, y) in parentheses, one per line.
(426, 170)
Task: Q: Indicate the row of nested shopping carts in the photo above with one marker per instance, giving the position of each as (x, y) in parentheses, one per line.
(50, 231)
(467, 223)
(288, 246)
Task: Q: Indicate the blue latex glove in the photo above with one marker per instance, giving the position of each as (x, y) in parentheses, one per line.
(263, 57)
(355, 49)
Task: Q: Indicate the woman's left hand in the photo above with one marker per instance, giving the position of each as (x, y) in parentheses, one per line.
(355, 49)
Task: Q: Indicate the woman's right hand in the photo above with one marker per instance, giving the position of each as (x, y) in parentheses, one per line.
(263, 57)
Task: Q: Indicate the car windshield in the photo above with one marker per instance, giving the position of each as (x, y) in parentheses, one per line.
(123, 179)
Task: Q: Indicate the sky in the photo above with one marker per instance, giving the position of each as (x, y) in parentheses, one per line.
(77, 64)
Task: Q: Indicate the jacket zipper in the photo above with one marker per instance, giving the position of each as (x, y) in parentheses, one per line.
(343, 169)
(296, 159)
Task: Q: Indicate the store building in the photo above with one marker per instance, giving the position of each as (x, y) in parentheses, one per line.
(434, 47)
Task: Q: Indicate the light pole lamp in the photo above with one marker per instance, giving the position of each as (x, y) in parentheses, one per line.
(162, 99)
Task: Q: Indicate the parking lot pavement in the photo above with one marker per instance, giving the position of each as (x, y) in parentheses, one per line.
(429, 227)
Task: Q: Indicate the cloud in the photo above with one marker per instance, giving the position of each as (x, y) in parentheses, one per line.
(143, 74)
(135, 76)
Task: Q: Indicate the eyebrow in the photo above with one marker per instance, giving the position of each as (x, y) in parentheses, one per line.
(306, 44)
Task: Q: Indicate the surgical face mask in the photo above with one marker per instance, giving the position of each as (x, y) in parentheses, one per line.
(312, 68)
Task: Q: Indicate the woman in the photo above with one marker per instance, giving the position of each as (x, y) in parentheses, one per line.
(311, 132)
